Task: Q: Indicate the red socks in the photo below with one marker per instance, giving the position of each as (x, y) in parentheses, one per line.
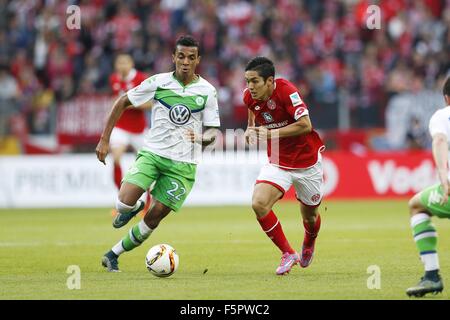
(117, 175)
(311, 232)
(272, 227)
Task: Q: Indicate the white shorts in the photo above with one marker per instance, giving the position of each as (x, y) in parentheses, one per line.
(120, 137)
(308, 183)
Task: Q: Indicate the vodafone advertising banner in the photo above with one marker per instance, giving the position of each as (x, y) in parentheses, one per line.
(81, 181)
(377, 175)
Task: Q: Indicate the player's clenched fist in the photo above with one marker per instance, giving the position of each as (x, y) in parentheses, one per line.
(250, 136)
(189, 135)
(261, 133)
(102, 150)
(206, 138)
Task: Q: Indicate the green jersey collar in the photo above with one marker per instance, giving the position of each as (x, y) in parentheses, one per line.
(190, 83)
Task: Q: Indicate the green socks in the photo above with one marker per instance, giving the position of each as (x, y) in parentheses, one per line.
(425, 236)
(137, 234)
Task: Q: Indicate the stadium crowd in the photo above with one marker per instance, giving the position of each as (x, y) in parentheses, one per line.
(324, 47)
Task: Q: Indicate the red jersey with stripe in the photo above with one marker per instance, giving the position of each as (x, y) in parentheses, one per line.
(284, 107)
(132, 119)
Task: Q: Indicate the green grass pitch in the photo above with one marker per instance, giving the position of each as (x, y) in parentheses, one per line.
(37, 246)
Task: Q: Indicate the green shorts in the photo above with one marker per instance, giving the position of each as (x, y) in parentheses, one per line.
(173, 179)
(430, 199)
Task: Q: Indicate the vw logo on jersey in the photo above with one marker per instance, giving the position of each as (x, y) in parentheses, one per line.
(267, 117)
(179, 114)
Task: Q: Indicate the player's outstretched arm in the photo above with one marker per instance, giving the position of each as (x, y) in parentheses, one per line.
(103, 145)
(300, 127)
(440, 155)
(250, 125)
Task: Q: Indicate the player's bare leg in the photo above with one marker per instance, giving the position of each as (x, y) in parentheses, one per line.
(415, 206)
(311, 222)
(158, 212)
(128, 203)
(128, 194)
(148, 202)
(137, 235)
(425, 237)
(117, 153)
(264, 197)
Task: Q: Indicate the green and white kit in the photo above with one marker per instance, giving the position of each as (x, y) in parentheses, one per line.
(167, 157)
(431, 196)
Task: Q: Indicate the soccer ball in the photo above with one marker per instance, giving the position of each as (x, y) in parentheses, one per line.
(161, 260)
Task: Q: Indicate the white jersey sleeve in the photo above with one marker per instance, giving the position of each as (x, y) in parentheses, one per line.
(440, 123)
(211, 113)
(143, 92)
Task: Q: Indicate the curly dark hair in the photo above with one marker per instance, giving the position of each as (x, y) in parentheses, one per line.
(187, 41)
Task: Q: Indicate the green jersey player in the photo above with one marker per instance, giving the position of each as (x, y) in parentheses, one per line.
(183, 102)
(432, 201)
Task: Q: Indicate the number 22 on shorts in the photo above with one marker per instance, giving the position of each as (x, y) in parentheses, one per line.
(177, 192)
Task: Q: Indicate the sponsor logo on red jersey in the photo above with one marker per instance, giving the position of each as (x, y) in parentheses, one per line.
(295, 99)
(284, 107)
(271, 104)
(299, 113)
(267, 117)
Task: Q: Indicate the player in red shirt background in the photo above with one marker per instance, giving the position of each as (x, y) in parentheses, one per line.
(294, 151)
(130, 128)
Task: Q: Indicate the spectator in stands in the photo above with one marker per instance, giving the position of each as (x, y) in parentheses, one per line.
(9, 93)
(416, 136)
(318, 43)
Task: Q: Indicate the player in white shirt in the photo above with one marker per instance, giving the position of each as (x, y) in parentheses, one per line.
(183, 102)
(433, 201)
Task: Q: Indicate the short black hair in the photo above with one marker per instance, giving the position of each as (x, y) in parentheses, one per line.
(264, 66)
(446, 90)
(187, 41)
